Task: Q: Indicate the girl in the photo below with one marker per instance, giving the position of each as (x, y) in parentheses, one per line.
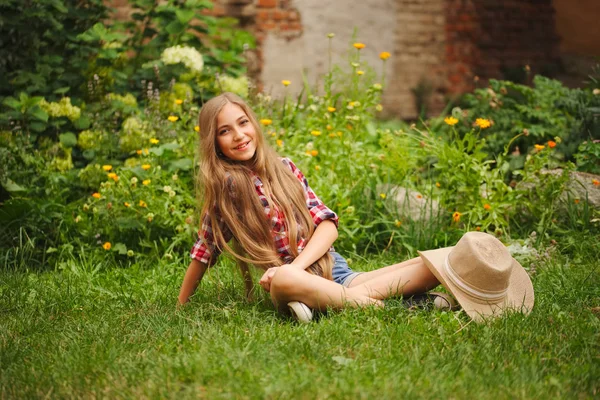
(264, 203)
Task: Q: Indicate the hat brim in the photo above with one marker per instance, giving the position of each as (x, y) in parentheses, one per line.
(519, 296)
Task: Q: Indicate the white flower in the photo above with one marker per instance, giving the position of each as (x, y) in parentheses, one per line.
(238, 85)
(188, 56)
(167, 189)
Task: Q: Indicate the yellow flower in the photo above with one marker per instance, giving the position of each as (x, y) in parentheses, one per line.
(107, 167)
(266, 122)
(96, 195)
(359, 46)
(384, 55)
(106, 246)
(145, 151)
(197, 128)
(113, 176)
(315, 133)
(382, 195)
(285, 82)
(331, 109)
(146, 167)
(173, 118)
(279, 142)
(398, 223)
(154, 141)
(126, 204)
(379, 107)
(451, 121)
(487, 206)
(329, 127)
(146, 182)
(437, 184)
(340, 133)
(318, 167)
(139, 152)
(539, 147)
(456, 216)
(483, 123)
(178, 101)
(359, 72)
(332, 135)
(143, 204)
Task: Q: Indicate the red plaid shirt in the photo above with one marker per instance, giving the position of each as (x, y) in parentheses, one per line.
(205, 250)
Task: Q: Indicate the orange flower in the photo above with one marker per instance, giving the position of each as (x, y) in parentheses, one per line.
(456, 216)
(96, 195)
(483, 123)
(113, 176)
(359, 46)
(576, 201)
(384, 55)
(595, 182)
(314, 153)
(398, 223)
(478, 228)
(106, 246)
(451, 121)
(126, 204)
(551, 144)
(143, 204)
(437, 184)
(487, 206)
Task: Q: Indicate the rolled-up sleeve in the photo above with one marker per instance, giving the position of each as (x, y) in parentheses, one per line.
(205, 249)
(318, 210)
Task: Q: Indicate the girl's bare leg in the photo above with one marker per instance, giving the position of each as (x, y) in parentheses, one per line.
(406, 278)
(367, 276)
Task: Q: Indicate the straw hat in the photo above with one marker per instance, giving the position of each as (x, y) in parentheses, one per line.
(482, 275)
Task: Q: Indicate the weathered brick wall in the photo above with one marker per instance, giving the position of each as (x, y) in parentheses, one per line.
(438, 46)
(492, 39)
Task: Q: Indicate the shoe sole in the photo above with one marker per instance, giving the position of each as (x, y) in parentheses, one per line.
(300, 312)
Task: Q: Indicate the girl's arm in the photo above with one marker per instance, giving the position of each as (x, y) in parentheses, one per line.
(319, 244)
(192, 278)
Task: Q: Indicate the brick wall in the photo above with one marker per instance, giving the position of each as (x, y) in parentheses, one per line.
(491, 39)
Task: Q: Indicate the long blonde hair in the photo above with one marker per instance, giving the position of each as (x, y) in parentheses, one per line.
(227, 187)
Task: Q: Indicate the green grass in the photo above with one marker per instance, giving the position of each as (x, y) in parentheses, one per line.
(88, 330)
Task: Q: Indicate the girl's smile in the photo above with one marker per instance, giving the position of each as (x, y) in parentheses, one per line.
(236, 135)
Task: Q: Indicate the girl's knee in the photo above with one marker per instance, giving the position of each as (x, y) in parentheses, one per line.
(285, 281)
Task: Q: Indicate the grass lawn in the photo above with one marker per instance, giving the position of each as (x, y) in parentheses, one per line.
(91, 330)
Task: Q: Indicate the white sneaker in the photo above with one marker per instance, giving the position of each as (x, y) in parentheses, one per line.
(300, 312)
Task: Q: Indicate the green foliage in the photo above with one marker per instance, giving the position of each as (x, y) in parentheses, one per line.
(39, 50)
(545, 111)
(588, 157)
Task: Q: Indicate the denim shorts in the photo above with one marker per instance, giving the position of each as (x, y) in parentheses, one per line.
(342, 273)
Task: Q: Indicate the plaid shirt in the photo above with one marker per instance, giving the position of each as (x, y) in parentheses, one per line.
(205, 250)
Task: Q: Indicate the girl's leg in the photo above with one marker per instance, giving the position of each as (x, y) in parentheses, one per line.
(406, 279)
(290, 284)
(367, 276)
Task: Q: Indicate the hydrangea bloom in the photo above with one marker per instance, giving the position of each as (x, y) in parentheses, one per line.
(188, 56)
(238, 85)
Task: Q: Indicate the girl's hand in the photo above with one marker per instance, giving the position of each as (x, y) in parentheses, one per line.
(265, 280)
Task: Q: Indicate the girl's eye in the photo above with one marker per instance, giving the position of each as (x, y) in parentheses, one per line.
(244, 122)
(223, 131)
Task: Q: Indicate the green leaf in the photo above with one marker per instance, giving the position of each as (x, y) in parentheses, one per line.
(184, 164)
(175, 27)
(89, 154)
(185, 16)
(62, 90)
(82, 123)
(37, 113)
(12, 187)
(68, 139)
(38, 126)
(120, 248)
(12, 103)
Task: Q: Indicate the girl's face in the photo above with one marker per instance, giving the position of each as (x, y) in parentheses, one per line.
(236, 136)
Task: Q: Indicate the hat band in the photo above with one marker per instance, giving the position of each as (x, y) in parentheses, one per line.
(465, 287)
